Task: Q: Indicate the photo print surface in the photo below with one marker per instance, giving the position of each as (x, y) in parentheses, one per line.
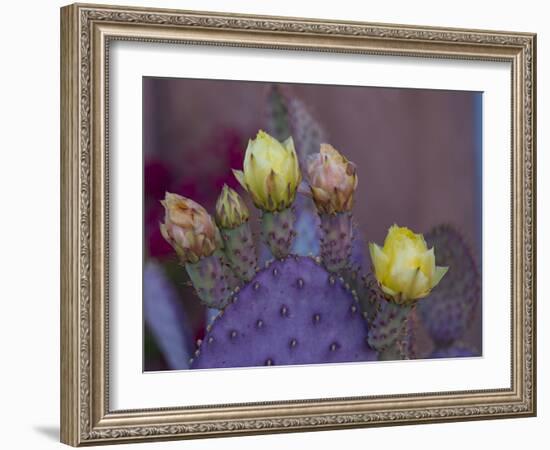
(309, 224)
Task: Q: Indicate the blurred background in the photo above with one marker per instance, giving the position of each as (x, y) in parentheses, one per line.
(418, 155)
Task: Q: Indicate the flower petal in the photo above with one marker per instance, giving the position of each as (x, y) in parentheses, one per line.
(419, 286)
(440, 271)
(379, 261)
(289, 144)
(239, 175)
(427, 263)
(388, 291)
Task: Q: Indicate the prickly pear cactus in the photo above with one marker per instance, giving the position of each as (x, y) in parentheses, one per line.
(387, 324)
(293, 312)
(210, 279)
(336, 243)
(240, 250)
(407, 342)
(447, 312)
(278, 231)
(299, 308)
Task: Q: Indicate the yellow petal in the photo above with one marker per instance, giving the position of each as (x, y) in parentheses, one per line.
(164, 233)
(402, 281)
(427, 263)
(440, 271)
(379, 260)
(419, 285)
(272, 190)
(239, 175)
(388, 291)
(289, 144)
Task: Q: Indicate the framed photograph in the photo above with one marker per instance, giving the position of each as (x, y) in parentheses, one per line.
(277, 224)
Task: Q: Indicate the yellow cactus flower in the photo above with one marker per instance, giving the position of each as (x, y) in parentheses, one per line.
(332, 180)
(405, 267)
(231, 210)
(188, 228)
(271, 172)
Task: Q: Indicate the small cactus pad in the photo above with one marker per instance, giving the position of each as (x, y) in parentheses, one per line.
(278, 231)
(211, 278)
(240, 250)
(408, 340)
(387, 327)
(336, 241)
(292, 312)
(447, 312)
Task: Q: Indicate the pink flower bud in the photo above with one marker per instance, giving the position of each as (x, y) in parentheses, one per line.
(332, 180)
(188, 228)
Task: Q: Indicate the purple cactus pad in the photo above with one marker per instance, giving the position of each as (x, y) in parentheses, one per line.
(292, 312)
(448, 311)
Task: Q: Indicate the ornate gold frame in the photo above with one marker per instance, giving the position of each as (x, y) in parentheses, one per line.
(86, 31)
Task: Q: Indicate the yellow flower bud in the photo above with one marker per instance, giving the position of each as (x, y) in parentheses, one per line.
(230, 209)
(271, 172)
(405, 267)
(332, 180)
(188, 228)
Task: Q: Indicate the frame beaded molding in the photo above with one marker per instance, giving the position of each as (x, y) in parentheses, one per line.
(78, 377)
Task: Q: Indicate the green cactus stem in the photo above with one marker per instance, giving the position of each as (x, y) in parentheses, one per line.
(278, 231)
(337, 239)
(240, 251)
(211, 279)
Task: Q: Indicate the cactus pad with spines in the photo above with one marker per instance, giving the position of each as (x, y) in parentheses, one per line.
(336, 241)
(240, 250)
(387, 321)
(278, 231)
(212, 280)
(292, 312)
